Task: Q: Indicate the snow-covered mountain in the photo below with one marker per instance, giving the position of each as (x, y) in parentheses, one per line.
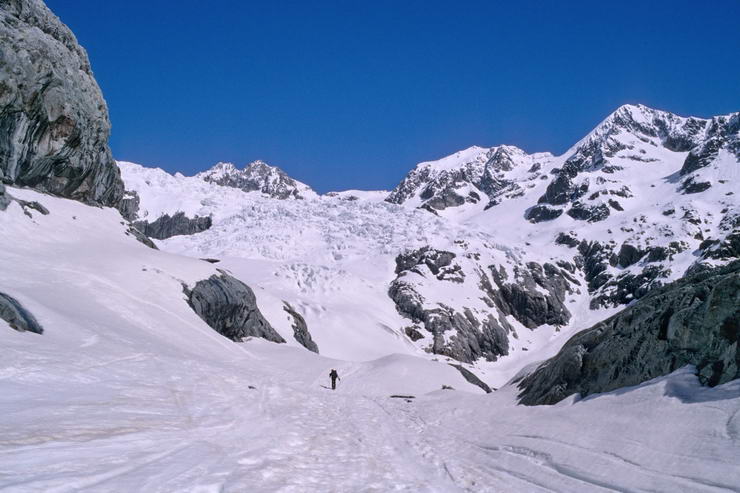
(257, 176)
(471, 256)
(178, 335)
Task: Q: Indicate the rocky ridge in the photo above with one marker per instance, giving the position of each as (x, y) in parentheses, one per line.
(257, 176)
(54, 123)
(693, 321)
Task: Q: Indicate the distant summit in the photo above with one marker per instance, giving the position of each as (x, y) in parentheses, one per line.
(257, 176)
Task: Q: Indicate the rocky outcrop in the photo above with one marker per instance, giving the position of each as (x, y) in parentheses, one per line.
(300, 329)
(536, 296)
(461, 335)
(540, 213)
(129, 205)
(693, 321)
(472, 378)
(229, 307)
(467, 177)
(4, 198)
(721, 132)
(257, 176)
(53, 120)
(17, 316)
(167, 226)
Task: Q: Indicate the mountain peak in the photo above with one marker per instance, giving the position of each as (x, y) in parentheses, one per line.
(257, 176)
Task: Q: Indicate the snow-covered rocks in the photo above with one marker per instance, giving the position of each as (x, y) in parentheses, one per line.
(257, 176)
(620, 226)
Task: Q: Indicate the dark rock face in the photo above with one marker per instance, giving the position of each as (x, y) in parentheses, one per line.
(628, 255)
(179, 224)
(413, 332)
(590, 213)
(439, 263)
(721, 132)
(540, 213)
(53, 120)
(566, 239)
(474, 336)
(536, 296)
(472, 378)
(141, 237)
(129, 205)
(18, 317)
(483, 176)
(692, 186)
(257, 176)
(693, 321)
(523, 298)
(230, 308)
(562, 189)
(300, 329)
(4, 198)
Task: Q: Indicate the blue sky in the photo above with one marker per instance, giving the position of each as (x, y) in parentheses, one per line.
(352, 94)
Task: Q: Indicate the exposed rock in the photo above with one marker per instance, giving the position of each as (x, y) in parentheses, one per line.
(33, 205)
(17, 316)
(129, 205)
(693, 321)
(540, 213)
(628, 287)
(257, 176)
(300, 329)
(439, 262)
(413, 332)
(567, 239)
(562, 189)
(141, 237)
(590, 213)
(477, 173)
(721, 132)
(472, 378)
(692, 186)
(229, 307)
(53, 120)
(472, 338)
(523, 297)
(179, 224)
(4, 198)
(595, 261)
(628, 255)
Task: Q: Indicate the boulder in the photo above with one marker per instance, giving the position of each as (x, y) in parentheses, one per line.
(17, 316)
(229, 307)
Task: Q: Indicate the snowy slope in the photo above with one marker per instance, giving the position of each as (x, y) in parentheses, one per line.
(624, 223)
(130, 390)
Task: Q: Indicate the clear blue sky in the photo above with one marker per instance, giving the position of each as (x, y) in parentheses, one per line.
(351, 94)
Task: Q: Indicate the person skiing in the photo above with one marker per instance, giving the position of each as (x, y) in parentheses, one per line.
(334, 376)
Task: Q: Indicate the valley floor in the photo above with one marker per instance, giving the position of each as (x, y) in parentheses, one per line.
(205, 429)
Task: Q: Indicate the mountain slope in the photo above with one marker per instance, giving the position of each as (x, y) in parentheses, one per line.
(480, 280)
(257, 176)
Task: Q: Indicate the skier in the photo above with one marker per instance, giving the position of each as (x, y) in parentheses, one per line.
(334, 376)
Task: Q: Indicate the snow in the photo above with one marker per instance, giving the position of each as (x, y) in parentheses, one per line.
(128, 390)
